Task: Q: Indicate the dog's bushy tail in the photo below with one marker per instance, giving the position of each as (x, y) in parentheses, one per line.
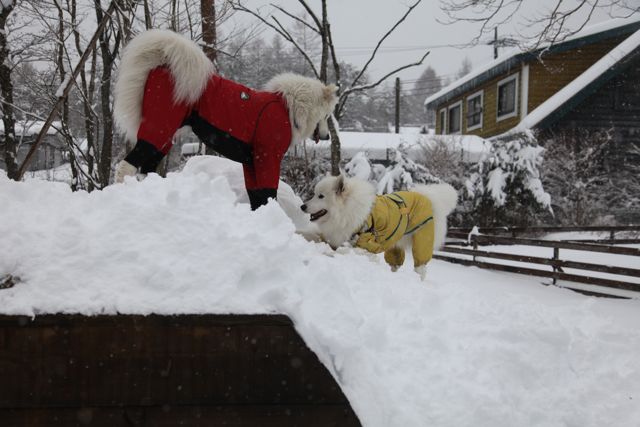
(444, 199)
(187, 63)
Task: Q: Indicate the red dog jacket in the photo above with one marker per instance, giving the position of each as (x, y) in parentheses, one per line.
(242, 124)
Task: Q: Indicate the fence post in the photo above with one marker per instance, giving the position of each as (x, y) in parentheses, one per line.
(556, 257)
(612, 235)
(475, 247)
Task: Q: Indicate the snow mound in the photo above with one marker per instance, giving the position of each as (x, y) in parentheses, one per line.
(465, 348)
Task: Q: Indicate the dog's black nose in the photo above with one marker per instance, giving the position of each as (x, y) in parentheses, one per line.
(304, 208)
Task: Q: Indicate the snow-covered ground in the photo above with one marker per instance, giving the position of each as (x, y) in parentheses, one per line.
(466, 347)
(377, 144)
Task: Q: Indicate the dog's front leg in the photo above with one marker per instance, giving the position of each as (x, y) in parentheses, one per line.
(343, 250)
(124, 169)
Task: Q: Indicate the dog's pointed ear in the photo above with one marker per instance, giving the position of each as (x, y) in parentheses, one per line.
(329, 92)
(339, 186)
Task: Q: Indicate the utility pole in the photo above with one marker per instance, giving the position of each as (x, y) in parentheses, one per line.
(495, 43)
(397, 104)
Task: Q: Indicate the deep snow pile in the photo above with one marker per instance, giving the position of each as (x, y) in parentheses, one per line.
(465, 348)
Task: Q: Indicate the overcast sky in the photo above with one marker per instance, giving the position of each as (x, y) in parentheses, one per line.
(357, 25)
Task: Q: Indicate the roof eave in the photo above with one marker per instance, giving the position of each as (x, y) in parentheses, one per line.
(508, 64)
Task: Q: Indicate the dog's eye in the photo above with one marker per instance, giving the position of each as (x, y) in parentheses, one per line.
(320, 196)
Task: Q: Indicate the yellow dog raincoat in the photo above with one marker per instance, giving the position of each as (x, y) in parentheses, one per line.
(394, 216)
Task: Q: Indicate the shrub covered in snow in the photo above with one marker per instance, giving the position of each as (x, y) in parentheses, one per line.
(402, 173)
(592, 180)
(505, 186)
(302, 174)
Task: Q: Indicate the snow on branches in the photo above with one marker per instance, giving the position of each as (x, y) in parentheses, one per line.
(402, 173)
(505, 185)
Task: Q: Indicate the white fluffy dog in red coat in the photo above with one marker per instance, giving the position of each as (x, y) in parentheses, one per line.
(166, 82)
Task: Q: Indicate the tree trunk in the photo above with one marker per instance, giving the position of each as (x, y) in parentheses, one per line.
(335, 149)
(209, 38)
(88, 89)
(6, 90)
(108, 59)
(209, 32)
(324, 65)
(106, 155)
(147, 15)
(75, 181)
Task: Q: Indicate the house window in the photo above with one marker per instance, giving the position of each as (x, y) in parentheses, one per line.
(443, 121)
(455, 118)
(507, 97)
(474, 111)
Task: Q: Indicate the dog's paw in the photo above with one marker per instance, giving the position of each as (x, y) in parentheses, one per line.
(342, 250)
(372, 257)
(422, 271)
(310, 236)
(124, 169)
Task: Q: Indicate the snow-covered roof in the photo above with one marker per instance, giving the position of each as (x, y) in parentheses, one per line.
(31, 128)
(580, 83)
(377, 144)
(514, 56)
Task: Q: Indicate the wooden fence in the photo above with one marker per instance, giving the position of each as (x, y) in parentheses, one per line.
(464, 248)
(612, 231)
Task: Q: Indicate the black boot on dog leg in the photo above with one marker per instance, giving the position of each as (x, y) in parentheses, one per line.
(144, 157)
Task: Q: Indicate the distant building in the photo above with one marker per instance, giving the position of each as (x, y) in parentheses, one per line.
(582, 92)
(51, 153)
(589, 81)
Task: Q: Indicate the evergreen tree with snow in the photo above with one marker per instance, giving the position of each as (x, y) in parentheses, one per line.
(403, 173)
(505, 187)
(361, 167)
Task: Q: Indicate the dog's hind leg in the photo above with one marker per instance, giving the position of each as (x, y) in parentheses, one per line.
(394, 257)
(161, 118)
(421, 270)
(422, 248)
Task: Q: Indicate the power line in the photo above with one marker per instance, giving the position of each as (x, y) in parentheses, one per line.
(402, 48)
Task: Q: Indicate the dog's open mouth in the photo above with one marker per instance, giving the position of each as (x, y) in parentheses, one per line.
(319, 214)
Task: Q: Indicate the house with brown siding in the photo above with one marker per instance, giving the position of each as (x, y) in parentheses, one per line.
(529, 89)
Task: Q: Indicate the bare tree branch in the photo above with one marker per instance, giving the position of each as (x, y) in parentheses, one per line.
(311, 13)
(345, 94)
(545, 28)
(280, 29)
(296, 18)
(384, 37)
(297, 46)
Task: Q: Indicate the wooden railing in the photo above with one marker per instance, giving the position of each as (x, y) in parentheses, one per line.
(613, 232)
(464, 248)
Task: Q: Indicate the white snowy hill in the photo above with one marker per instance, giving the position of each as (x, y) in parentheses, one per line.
(464, 348)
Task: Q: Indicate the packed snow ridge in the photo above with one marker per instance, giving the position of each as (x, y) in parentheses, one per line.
(464, 348)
